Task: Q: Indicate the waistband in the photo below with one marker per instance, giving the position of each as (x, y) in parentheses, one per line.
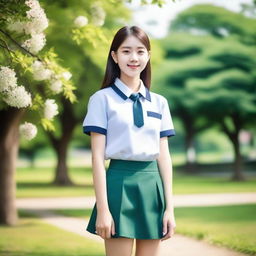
(130, 165)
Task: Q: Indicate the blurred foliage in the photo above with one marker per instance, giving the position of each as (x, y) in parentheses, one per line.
(206, 69)
(14, 8)
(216, 21)
(209, 79)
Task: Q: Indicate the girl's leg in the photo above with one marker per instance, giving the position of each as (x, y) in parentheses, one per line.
(119, 246)
(148, 247)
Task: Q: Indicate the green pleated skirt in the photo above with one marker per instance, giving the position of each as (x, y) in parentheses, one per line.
(135, 199)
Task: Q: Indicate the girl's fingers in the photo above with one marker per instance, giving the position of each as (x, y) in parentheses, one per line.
(108, 232)
(164, 227)
(113, 228)
(103, 233)
(172, 230)
(169, 233)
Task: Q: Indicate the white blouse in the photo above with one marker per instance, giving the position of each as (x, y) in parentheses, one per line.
(110, 112)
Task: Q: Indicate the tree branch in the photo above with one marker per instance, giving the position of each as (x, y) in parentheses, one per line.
(16, 43)
(226, 130)
(6, 46)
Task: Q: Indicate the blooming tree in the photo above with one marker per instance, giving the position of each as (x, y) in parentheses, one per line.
(30, 80)
(29, 24)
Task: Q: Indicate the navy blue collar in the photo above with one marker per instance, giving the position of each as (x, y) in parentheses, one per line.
(124, 92)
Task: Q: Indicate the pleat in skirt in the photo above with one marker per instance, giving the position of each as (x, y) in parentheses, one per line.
(135, 198)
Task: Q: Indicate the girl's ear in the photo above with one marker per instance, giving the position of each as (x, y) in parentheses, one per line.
(113, 54)
(149, 54)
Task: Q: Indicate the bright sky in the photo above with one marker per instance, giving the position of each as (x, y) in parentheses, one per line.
(155, 20)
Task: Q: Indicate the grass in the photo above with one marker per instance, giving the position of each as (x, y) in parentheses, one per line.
(38, 183)
(232, 226)
(32, 237)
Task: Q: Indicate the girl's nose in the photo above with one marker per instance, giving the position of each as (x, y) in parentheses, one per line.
(134, 56)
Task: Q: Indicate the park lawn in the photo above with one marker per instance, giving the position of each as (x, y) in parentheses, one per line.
(37, 183)
(32, 237)
(232, 226)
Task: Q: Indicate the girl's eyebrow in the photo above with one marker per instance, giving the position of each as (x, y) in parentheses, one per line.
(139, 47)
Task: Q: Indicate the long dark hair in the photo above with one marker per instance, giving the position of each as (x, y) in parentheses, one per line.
(112, 68)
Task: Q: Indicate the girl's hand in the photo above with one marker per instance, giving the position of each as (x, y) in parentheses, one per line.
(105, 225)
(168, 225)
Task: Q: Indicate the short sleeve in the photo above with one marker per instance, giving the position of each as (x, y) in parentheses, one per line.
(96, 116)
(167, 128)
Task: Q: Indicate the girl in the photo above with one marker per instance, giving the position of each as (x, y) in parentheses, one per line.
(129, 125)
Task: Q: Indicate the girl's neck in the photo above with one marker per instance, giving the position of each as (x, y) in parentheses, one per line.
(132, 82)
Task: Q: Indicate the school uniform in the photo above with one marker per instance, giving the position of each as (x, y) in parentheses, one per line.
(134, 185)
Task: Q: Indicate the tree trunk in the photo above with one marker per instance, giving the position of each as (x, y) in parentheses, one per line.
(61, 172)
(60, 145)
(238, 163)
(234, 138)
(9, 144)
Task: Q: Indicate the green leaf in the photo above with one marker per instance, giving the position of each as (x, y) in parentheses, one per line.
(47, 124)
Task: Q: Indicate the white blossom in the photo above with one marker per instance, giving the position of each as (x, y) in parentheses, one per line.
(35, 43)
(18, 97)
(36, 22)
(56, 86)
(8, 79)
(50, 109)
(81, 21)
(40, 72)
(37, 18)
(37, 65)
(33, 4)
(66, 75)
(98, 14)
(36, 25)
(28, 130)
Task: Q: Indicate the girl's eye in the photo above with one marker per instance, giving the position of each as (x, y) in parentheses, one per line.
(140, 52)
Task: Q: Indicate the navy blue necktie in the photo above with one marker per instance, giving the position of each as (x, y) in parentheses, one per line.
(137, 109)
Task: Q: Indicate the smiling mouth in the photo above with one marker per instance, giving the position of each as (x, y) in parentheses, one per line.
(133, 66)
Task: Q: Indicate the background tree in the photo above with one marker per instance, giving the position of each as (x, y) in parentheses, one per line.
(216, 51)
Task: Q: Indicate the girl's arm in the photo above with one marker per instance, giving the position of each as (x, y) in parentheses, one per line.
(99, 172)
(165, 167)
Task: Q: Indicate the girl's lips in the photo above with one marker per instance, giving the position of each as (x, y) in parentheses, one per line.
(133, 66)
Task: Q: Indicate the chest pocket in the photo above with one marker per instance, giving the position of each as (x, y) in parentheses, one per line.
(154, 114)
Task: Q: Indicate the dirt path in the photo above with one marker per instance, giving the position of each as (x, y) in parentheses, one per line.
(179, 201)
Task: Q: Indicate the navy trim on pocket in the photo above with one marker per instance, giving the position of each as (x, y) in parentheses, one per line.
(154, 114)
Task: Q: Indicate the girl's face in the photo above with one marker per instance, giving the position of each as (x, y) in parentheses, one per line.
(131, 56)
